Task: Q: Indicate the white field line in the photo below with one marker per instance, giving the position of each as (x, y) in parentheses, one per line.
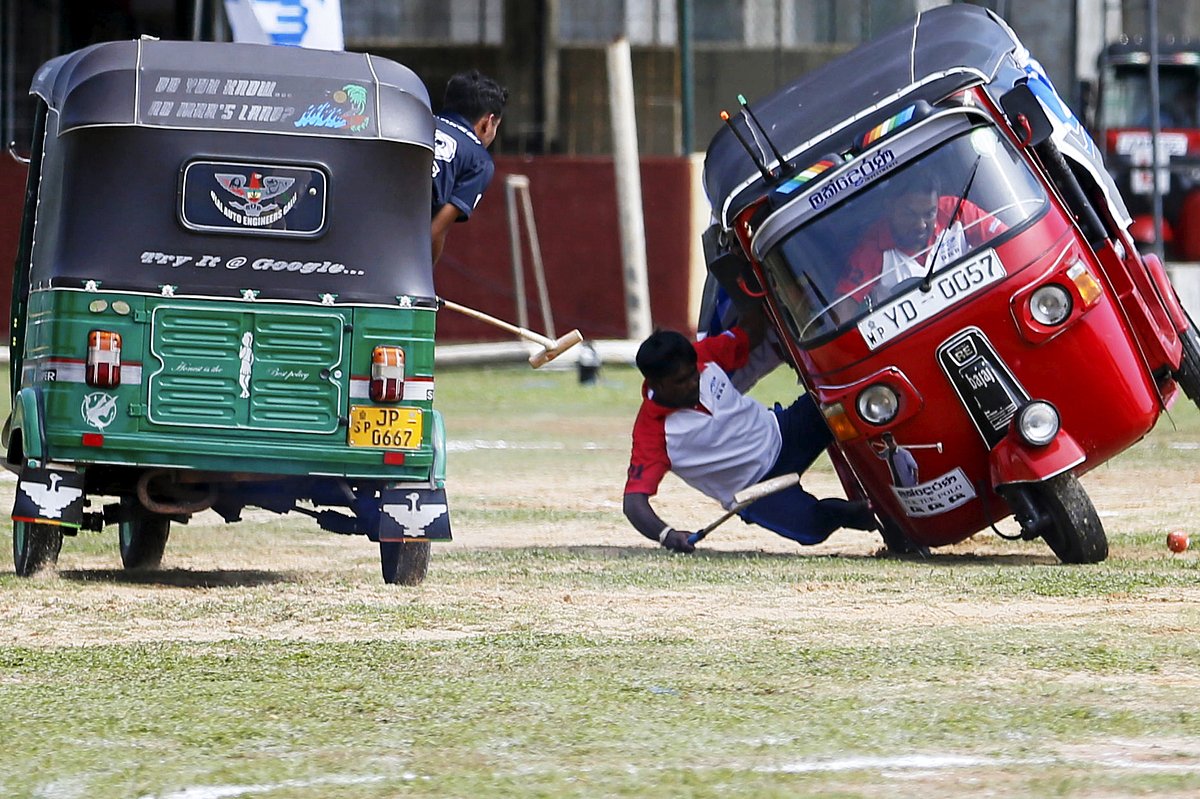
(477, 444)
(232, 791)
(919, 762)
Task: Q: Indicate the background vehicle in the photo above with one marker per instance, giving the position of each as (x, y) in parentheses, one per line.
(1123, 129)
(224, 298)
(982, 380)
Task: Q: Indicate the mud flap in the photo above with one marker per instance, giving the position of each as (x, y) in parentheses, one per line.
(414, 514)
(49, 496)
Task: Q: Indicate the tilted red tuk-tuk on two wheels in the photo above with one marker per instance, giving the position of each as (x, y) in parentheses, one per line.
(972, 369)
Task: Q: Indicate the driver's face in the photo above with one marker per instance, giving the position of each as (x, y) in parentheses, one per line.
(680, 389)
(912, 219)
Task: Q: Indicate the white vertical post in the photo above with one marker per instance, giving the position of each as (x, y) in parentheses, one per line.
(629, 189)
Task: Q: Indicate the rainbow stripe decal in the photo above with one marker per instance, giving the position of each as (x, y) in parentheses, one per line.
(800, 178)
(888, 125)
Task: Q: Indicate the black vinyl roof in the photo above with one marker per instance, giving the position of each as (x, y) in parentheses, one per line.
(241, 87)
(941, 51)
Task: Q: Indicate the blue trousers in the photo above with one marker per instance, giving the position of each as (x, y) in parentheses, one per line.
(794, 513)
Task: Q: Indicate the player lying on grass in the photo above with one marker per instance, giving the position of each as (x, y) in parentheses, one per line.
(695, 423)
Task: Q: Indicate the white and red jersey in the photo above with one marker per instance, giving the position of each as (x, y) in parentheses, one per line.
(723, 444)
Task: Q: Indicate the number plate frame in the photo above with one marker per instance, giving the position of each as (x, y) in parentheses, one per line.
(385, 427)
(947, 288)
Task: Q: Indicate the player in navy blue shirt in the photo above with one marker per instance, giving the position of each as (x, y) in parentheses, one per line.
(462, 166)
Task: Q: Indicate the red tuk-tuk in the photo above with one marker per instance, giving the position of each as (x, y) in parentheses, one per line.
(973, 374)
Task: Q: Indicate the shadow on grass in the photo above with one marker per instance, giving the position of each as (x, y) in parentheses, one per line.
(180, 578)
(935, 559)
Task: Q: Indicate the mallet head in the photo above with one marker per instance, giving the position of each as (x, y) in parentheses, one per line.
(557, 348)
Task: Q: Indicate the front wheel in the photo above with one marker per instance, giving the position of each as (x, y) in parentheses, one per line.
(35, 546)
(404, 562)
(1075, 533)
(1188, 374)
(143, 536)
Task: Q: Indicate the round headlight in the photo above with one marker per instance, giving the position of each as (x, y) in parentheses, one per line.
(1050, 305)
(878, 403)
(1038, 423)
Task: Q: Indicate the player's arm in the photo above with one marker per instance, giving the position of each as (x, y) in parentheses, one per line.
(648, 523)
(442, 221)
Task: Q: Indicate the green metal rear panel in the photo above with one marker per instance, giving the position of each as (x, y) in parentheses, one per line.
(202, 402)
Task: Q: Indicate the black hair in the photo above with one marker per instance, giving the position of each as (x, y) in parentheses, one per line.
(474, 95)
(663, 354)
(920, 182)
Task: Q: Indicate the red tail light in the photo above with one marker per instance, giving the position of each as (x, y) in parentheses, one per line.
(387, 374)
(103, 359)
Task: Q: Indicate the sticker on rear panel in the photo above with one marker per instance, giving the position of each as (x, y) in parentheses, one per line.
(938, 495)
(253, 198)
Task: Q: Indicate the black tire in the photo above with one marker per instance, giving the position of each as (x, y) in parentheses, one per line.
(35, 546)
(1076, 535)
(1188, 374)
(143, 536)
(404, 562)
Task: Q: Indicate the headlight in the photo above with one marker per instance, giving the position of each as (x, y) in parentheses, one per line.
(878, 404)
(1037, 423)
(1050, 305)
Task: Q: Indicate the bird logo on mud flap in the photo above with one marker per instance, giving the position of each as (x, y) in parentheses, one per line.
(405, 515)
(46, 496)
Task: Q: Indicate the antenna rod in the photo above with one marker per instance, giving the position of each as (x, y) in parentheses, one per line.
(762, 168)
(771, 144)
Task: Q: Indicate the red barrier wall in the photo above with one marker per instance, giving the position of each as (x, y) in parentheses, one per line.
(12, 195)
(575, 210)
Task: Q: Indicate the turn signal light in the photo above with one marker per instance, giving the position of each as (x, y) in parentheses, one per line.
(1087, 283)
(103, 359)
(387, 374)
(839, 422)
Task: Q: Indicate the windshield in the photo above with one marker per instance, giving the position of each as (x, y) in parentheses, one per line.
(1126, 101)
(897, 234)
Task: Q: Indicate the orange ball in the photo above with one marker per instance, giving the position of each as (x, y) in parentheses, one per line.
(1177, 541)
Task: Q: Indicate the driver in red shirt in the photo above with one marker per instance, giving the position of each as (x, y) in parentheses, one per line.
(920, 224)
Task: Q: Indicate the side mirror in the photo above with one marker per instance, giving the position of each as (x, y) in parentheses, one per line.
(1026, 115)
(723, 263)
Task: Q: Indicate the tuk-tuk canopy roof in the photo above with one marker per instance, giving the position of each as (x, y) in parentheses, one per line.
(941, 51)
(240, 87)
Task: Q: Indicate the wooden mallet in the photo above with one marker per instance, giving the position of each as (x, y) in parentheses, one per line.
(551, 348)
(744, 497)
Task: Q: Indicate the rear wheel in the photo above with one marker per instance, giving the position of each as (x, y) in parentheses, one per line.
(1075, 534)
(35, 546)
(143, 536)
(404, 562)
(1188, 374)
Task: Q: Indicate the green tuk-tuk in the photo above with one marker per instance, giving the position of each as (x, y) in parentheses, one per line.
(224, 299)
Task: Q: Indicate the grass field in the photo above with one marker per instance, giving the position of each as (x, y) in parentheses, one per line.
(553, 652)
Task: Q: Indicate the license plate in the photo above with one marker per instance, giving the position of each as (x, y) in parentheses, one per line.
(946, 289)
(394, 428)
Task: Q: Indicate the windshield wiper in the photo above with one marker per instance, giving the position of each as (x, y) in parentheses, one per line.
(928, 279)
